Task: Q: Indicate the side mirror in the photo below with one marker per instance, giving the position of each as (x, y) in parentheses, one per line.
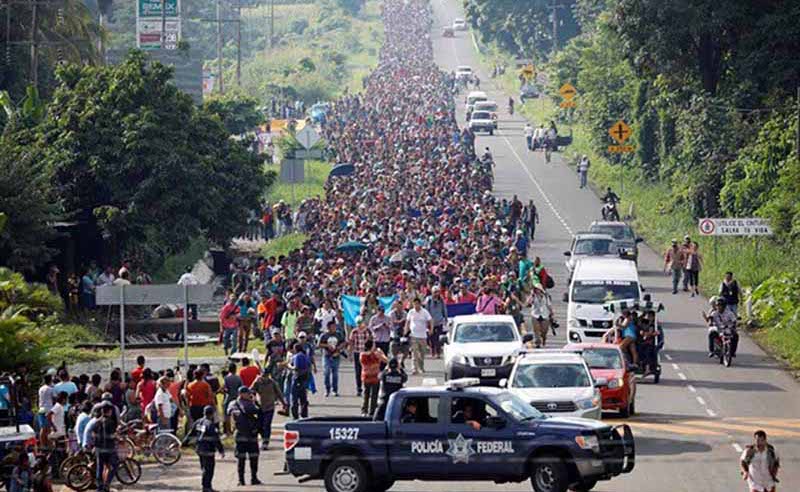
(565, 297)
(567, 253)
(502, 383)
(639, 240)
(495, 422)
(600, 383)
(443, 338)
(646, 297)
(527, 338)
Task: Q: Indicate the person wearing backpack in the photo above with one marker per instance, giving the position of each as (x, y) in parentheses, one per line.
(760, 464)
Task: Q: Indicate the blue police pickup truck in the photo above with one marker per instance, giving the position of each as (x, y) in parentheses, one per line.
(457, 432)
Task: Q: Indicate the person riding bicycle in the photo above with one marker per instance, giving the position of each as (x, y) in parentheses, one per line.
(719, 319)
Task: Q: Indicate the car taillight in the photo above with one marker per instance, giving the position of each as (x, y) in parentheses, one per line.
(290, 439)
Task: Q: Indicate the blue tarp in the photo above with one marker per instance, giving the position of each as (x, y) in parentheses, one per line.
(351, 306)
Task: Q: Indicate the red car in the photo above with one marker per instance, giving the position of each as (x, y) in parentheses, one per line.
(605, 360)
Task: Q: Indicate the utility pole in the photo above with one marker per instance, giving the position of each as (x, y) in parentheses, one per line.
(34, 48)
(271, 22)
(239, 43)
(219, 48)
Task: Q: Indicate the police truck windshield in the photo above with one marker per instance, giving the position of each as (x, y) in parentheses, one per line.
(603, 291)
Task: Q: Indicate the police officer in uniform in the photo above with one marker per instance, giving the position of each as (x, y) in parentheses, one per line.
(208, 443)
(244, 413)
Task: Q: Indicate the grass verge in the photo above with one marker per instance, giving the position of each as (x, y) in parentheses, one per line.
(283, 245)
(314, 185)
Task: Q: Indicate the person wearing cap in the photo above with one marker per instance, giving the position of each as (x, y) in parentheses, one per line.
(392, 380)
(268, 391)
(244, 413)
(208, 445)
(675, 261)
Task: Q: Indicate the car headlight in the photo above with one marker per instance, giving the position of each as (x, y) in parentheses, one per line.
(615, 383)
(588, 442)
(574, 337)
(588, 403)
(461, 359)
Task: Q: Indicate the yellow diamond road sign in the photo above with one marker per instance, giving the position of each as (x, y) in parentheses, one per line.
(567, 91)
(620, 131)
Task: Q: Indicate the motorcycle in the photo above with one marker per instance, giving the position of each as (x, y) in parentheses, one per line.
(723, 346)
(609, 212)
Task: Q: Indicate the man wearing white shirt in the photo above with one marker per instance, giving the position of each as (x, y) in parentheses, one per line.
(163, 404)
(529, 135)
(105, 278)
(189, 278)
(419, 324)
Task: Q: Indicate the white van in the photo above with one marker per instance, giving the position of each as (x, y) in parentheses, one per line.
(595, 282)
(474, 97)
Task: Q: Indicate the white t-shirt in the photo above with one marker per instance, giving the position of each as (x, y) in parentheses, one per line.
(164, 402)
(418, 322)
(759, 476)
(46, 397)
(188, 278)
(528, 131)
(58, 421)
(121, 281)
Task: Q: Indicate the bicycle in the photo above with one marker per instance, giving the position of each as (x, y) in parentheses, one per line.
(165, 447)
(81, 477)
(125, 449)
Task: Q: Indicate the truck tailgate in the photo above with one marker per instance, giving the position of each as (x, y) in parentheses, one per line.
(311, 443)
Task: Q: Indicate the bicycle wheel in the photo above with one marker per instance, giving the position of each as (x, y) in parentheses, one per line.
(69, 462)
(129, 471)
(79, 477)
(125, 449)
(166, 448)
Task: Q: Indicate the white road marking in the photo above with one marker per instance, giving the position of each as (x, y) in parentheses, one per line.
(736, 447)
(701, 401)
(676, 367)
(667, 356)
(682, 376)
(692, 389)
(711, 413)
(538, 186)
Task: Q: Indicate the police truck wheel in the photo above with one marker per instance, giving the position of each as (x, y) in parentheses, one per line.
(585, 486)
(345, 474)
(549, 474)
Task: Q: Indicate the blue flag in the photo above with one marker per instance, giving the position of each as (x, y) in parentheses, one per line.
(351, 307)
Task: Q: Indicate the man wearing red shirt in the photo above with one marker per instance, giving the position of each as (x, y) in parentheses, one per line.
(371, 360)
(248, 373)
(136, 374)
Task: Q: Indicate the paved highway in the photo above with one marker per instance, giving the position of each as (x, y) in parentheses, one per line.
(690, 428)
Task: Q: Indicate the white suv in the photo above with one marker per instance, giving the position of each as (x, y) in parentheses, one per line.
(482, 346)
(557, 383)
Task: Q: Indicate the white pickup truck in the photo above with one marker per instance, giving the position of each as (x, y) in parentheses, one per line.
(482, 346)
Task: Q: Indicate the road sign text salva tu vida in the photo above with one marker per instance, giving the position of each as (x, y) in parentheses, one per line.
(734, 227)
(152, 8)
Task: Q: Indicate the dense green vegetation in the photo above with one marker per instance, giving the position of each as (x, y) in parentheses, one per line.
(709, 90)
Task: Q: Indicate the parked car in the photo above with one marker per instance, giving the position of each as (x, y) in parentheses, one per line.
(482, 346)
(556, 383)
(457, 432)
(606, 361)
(459, 24)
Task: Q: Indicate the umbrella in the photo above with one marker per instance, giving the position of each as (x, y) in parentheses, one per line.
(351, 247)
(342, 169)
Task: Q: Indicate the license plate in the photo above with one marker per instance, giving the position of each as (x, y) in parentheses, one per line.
(488, 373)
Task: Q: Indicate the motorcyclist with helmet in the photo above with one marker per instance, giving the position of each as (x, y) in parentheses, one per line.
(610, 200)
(718, 319)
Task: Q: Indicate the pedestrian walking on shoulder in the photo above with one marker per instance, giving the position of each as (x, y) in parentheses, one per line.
(674, 260)
(583, 170)
(208, 444)
(528, 136)
(331, 345)
(694, 263)
(371, 360)
(244, 413)
(686, 248)
(760, 464)
(300, 365)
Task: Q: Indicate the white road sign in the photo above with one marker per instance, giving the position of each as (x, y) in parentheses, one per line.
(146, 295)
(308, 137)
(734, 227)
